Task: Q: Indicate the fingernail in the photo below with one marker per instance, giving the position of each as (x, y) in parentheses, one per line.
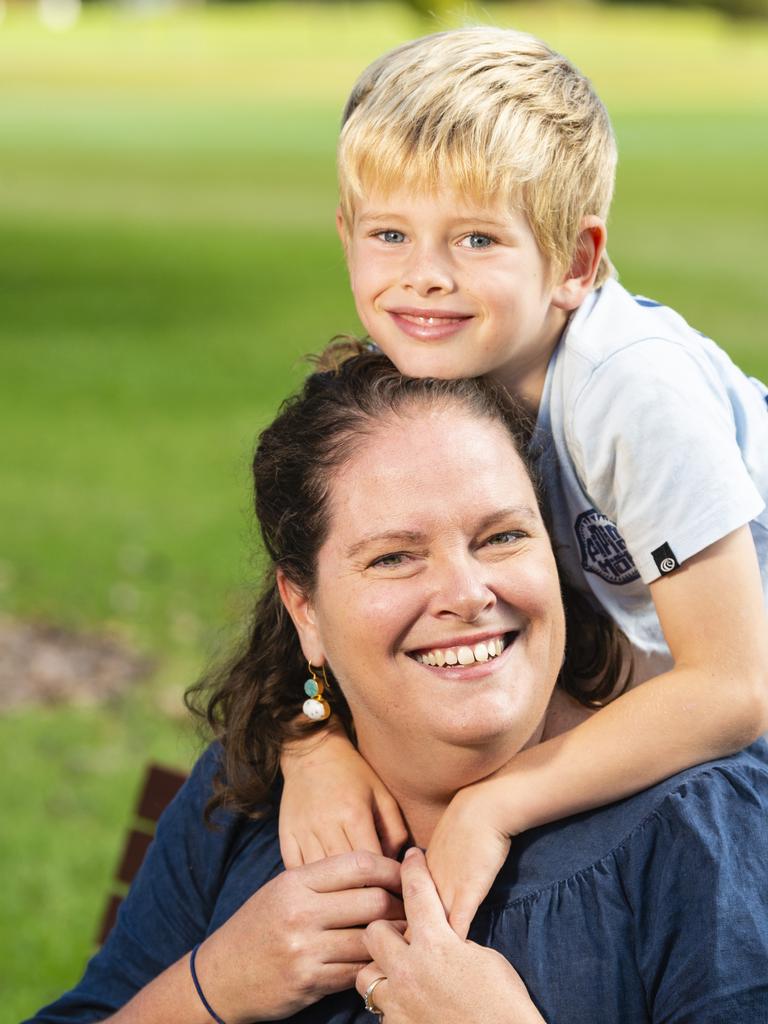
(410, 853)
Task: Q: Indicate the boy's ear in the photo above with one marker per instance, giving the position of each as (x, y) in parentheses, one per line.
(300, 609)
(579, 279)
(341, 227)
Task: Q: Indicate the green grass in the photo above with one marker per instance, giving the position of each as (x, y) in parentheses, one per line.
(167, 256)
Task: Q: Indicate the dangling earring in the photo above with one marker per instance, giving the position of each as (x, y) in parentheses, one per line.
(316, 707)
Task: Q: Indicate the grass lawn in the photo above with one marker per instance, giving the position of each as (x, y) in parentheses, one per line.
(168, 255)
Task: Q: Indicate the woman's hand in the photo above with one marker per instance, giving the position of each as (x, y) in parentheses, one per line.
(438, 978)
(468, 848)
(333, 802)
(299, 938)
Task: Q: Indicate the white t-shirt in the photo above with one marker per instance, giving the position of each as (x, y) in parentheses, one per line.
(652, 445)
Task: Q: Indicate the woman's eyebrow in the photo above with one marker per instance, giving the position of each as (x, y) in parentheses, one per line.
(388, 536)
(523, 514)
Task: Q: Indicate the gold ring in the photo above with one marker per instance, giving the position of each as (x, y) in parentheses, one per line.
(370, 1006)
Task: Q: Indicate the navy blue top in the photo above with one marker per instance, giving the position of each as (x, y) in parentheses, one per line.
(654, 909)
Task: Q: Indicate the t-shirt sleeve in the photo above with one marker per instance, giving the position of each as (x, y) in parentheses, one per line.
(654, 443)
(695, 880)
(166, 911)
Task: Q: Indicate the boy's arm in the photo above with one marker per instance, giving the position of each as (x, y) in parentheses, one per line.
(712, 703)
(333, 801)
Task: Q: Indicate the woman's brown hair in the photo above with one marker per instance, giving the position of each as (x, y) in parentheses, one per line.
(253, 703)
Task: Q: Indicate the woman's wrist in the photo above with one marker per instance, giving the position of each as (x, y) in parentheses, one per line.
(209, 980)
(199, 988)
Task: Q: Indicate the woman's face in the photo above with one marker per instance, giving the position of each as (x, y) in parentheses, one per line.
(437, 602)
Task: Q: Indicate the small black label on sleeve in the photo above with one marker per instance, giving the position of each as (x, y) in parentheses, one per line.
(665, 559)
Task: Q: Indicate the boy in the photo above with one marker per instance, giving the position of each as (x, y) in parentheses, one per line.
(476, 172)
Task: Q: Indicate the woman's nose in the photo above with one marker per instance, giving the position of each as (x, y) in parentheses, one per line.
(428, 271)
(463, 593)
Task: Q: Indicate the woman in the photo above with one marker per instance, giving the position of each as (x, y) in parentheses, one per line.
(411, 568)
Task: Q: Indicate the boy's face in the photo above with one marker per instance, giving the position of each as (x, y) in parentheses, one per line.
(449, 288)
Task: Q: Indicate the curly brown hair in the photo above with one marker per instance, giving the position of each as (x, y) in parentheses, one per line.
(253, 703)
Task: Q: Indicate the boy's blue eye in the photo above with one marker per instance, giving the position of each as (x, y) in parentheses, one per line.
(391, 236)
(477, 241)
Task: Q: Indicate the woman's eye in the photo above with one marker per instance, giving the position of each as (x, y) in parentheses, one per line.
(389, 561)
(392, 237)
(505, 537)
(477, 241)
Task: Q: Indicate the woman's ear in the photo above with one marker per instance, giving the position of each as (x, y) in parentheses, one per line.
(579, 279)
(299, 607)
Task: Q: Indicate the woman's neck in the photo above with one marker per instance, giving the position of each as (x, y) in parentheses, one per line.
(423, 782)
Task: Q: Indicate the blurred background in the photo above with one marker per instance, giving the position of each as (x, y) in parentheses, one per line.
(167, 256)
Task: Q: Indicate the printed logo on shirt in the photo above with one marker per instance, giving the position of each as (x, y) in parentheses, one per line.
(665, 559)
(603, 550)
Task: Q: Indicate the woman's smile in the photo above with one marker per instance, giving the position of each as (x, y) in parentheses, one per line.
(469, 662)
(466, 651)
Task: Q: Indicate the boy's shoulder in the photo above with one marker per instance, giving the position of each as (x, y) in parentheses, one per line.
(623, 344)
(613, 322)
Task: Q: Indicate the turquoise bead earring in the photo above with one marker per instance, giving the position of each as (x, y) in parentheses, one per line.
(316, 706)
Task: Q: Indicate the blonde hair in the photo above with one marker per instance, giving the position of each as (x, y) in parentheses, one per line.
(493, 113)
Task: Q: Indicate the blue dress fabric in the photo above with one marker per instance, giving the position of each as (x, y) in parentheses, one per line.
(654, 909)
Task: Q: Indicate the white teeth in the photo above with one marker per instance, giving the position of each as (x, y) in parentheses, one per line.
(463, 655)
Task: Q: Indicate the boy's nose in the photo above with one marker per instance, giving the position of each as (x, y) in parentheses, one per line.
(428, 272)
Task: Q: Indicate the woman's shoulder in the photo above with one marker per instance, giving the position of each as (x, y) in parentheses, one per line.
(655, 908)
(710, 805)
(212, 847)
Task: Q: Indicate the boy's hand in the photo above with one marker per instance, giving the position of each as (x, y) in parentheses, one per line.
(468, 848)
(333, 802)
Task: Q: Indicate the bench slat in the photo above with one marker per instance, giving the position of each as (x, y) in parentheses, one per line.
(160, 786)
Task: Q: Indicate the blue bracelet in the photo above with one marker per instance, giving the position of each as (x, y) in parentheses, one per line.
(203, 1000)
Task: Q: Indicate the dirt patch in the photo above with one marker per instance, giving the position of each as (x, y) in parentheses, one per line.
(44, 664)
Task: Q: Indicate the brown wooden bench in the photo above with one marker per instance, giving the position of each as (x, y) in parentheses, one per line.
(160, 786)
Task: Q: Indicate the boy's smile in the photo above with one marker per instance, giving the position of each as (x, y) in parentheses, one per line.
(450, 288)
(428, 323)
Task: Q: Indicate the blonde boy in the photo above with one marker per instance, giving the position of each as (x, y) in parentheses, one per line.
(476, 172)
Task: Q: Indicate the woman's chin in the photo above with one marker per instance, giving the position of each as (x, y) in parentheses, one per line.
(489, 726)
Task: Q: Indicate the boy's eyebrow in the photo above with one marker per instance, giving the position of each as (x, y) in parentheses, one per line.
(369, 218)
(523, 514)
(467, 219)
